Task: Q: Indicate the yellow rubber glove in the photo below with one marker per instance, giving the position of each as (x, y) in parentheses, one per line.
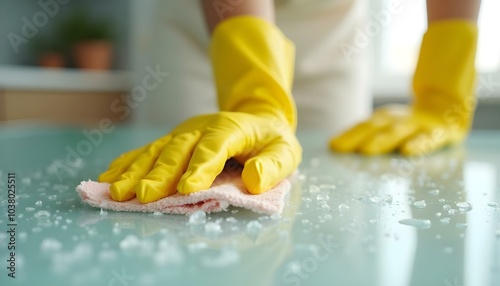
(253, 68)
(444, 100)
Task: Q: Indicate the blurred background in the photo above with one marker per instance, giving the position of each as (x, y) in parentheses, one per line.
(75, 62)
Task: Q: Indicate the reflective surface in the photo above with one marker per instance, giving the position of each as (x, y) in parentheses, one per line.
(349, 220)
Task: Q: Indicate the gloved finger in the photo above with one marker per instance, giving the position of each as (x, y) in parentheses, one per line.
(124, 188)
(274, 163)
(120, 165)
(425, 141)
(162, 180)
(209, 158)
(388, 139)
(351, 140)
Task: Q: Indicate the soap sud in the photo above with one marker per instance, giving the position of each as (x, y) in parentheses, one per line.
(420, 204)
(38, 203)
(107, 255)
(231, 220)
(23, 235)
(452, 211)
(226, 257)
(253, 229)
(343, 207)
(212, 228)
(294, 267)
(446, 207)
(445, 220)
(168, 253)
(29, 209)
(276, 216)
(103, 212)
(197, 218)
(419, 223)
(157, 213)
(438, 214)
(464, 206)
(197, 246)
(52, 197)
(50, 245)
(461, 225)
(263, 218)
(130, 242)
(62, 261)
(441, 200)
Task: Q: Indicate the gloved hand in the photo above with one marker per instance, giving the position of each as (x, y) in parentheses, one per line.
(444, 100)
(253, 69)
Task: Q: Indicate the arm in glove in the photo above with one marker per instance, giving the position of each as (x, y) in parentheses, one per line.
(253, 67)
(444, 99)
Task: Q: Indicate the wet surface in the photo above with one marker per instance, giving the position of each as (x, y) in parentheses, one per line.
(349, 220)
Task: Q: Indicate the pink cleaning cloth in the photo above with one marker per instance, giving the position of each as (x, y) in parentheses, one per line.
(227, 189)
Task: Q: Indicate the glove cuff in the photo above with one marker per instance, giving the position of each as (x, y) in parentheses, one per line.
(253, 67)
(445, 74)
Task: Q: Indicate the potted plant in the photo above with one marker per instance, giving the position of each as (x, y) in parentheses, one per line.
(89, 41)
(49, 52)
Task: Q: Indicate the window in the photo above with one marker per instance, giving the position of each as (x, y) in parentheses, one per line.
(398, 46)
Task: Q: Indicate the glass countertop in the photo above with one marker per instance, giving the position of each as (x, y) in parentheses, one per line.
(348, 220)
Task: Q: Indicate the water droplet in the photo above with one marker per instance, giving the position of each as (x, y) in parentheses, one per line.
(253, 229)
(322, 197)
(464, 206)
(313, 189)
(420, 204)
(434, 192)
(419, 223)
(343, 207)
(494, 205)
(445, 220)
(198, 217)
(42, 215)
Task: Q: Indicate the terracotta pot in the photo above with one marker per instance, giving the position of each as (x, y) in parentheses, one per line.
(96, 55)
(52, 60)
